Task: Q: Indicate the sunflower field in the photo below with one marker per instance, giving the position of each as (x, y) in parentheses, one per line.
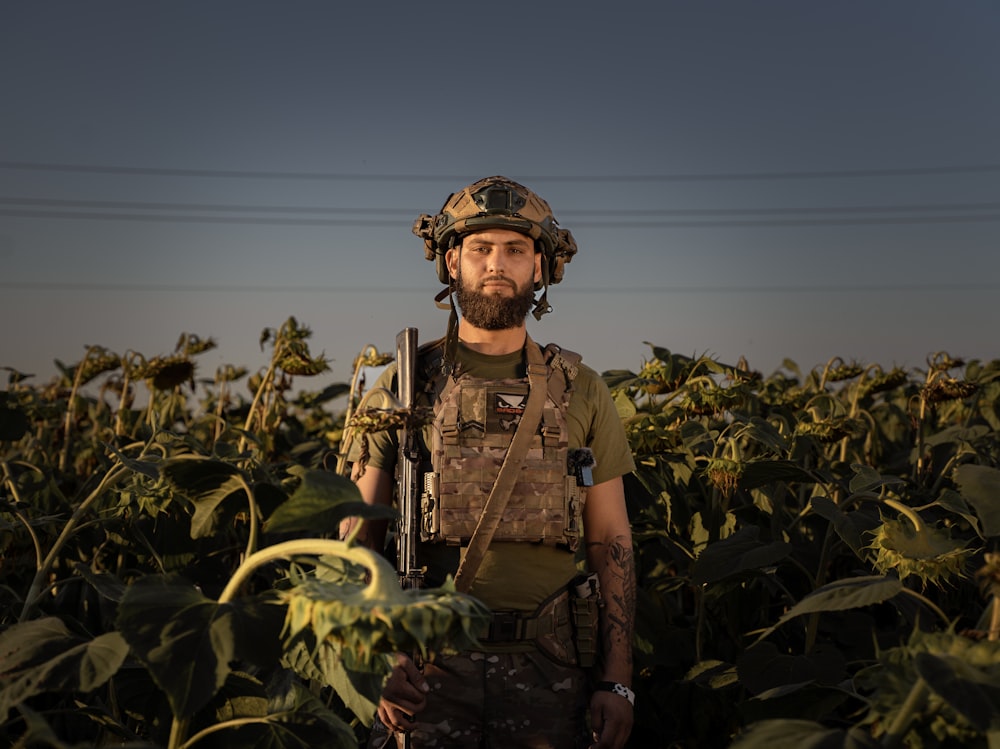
(815, 554)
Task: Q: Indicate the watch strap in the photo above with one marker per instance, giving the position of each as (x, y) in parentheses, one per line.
(616, 688)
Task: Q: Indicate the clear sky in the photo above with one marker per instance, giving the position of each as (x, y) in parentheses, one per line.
(761, 178)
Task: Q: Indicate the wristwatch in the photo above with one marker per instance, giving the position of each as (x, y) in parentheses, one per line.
(615, 688)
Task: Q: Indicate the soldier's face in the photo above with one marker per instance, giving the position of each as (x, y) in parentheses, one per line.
(496, 271)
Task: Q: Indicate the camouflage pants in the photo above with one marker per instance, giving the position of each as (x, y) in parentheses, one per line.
(500, 701)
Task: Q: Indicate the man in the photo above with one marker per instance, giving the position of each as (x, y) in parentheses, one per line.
(495, 244)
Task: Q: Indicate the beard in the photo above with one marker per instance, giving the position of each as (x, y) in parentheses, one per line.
(489, 311)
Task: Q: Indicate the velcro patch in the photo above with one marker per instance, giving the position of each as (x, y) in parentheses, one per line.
(505, 406)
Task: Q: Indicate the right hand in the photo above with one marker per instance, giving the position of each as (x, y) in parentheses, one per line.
(403, 696)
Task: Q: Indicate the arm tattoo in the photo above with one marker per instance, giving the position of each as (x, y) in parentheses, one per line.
(619, 590)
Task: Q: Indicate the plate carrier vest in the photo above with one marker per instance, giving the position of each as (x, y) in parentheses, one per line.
(473, 427)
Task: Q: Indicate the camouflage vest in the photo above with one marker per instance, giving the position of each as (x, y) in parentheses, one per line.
(473, 427)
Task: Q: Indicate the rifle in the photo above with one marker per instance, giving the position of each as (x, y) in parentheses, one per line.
(408, 496)
(408, 492)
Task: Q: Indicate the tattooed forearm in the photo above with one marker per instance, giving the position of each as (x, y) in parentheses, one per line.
(615, 565)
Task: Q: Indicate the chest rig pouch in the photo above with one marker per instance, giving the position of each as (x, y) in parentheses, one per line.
(474, 424)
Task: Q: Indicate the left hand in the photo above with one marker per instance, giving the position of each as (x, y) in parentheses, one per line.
(611, 719)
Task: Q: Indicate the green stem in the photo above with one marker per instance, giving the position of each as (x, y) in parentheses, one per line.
(994, 633)
(233, 723)
(254, 517)
(812, 623)
(121, 403)
(264, 384)
(929, 604)
(919, 467)
(220, 408)
(699, 593)
(315, 547)
(178, 733)
(8, 479)
(946, 471)
(150, 411)
(902, 720)
(71, 408)
(31, 599)
(902, 509)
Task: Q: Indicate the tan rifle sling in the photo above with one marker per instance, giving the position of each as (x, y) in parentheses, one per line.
(496, 503)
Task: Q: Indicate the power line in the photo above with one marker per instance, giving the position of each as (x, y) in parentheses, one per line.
(360, 177)
(179, 219)
(210, 207)
(309, 288)
(387, 223)
(609, 212)
(751, 224)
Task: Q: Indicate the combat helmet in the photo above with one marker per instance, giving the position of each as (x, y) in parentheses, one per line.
(498, 203)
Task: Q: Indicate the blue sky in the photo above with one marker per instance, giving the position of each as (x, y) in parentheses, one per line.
(769, 179)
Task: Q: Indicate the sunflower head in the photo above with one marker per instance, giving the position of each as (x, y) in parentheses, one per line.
(928, 553)
(724, 474)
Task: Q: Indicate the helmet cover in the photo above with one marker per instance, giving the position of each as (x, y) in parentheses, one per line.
(496, 203)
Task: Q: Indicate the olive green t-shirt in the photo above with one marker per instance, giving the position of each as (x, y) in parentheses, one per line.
(519, 576)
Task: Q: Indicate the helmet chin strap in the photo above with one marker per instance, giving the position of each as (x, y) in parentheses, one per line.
(451, 337)
(542, 305)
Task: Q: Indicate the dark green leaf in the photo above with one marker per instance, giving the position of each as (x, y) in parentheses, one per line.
(13, 378)
(328, 393)
(867, 479)
(839, 595)
(762, 667)
(257, 624)
(289, 731)
(958, 435)
(957, 683)
(624, 405)
(768, 435)
(207, 483)
(848, 532)
(980, 486)
(14, 423)
(358, 690)
(296, 698)
(739, 553)
(659, 352)
(953, 502)
(321, 500)
(805, 701)
(143, 467)
(44, 656)
(694, 434)
(801, 734)
(757, 473)
(713, 674)
(107, 585)
(268, 496)
(185, 639)
(241, 696)
(618, 378)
